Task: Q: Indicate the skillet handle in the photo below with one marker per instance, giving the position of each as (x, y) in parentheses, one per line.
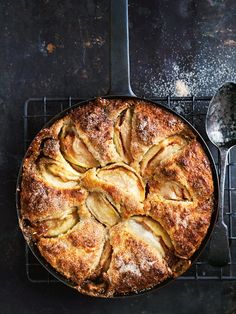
(119, 49)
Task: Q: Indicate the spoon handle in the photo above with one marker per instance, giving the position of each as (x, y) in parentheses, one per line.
(223, 162)
(219, 254)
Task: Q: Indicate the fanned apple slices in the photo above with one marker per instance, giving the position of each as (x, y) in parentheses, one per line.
(155, 228)
(58, 174)
(74, 150)
(160, 153)
(152, 233)
(122, 135)
(125, 178)
(177, 264)
(175, 191)
(121, 187)
(54, 168)
(55, 227)
(142, 255)
(102, 209)
(141, 229)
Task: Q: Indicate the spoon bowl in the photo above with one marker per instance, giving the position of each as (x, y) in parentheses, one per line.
(221, 117)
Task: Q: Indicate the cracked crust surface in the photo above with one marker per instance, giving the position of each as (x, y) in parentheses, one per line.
(117, 195)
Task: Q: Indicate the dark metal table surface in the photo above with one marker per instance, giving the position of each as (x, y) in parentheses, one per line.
(60, 49)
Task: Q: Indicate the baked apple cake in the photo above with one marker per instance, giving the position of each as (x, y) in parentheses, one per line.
(117, 196)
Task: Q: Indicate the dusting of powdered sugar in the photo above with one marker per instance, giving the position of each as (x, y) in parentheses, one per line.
(128, 267)
(181, 88)
(182, 221)
(145, 264)
(208, 71)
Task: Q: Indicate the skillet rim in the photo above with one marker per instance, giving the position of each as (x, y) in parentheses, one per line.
(205, 240)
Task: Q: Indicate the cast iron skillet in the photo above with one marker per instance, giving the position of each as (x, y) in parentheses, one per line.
(120, 88)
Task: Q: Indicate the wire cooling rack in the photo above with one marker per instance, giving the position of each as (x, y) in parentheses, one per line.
(37, 111)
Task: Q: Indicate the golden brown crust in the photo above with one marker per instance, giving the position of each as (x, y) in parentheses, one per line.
(40, 200)
(186, 213)
(150, 125)
(135, 264)
(186, 224)
(95, 124)
(198, 174)
(117, 195)
(77, 253)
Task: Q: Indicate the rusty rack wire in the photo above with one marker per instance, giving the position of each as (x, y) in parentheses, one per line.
(37, 111)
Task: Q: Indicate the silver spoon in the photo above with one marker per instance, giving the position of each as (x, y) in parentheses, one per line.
(221, 130)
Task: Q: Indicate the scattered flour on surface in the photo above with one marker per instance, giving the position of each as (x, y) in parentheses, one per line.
(181, 88)
(206, 73)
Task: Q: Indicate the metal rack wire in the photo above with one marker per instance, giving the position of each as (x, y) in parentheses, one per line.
(37, 111)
